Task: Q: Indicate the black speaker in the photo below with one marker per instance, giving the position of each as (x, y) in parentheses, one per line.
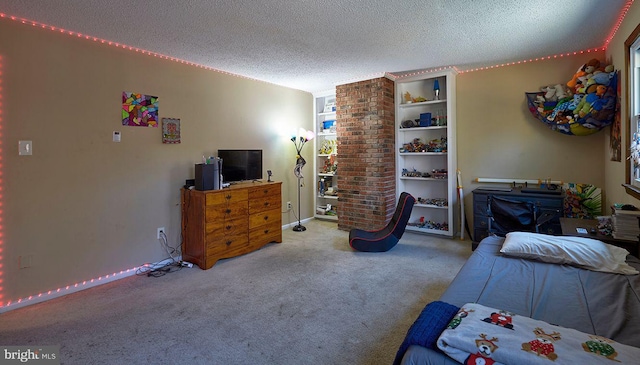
(207, 176)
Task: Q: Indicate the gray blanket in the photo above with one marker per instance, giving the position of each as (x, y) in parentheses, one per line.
(598, 303)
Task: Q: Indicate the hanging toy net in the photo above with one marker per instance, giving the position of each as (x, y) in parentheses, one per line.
(591, 108)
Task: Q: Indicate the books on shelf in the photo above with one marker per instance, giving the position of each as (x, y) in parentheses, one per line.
(625, 224)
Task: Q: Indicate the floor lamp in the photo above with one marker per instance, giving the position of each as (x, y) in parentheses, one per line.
(299, 141)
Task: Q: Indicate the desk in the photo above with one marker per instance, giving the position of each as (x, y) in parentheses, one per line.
(569, 226)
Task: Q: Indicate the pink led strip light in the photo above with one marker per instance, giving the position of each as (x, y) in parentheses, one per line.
(116, 44)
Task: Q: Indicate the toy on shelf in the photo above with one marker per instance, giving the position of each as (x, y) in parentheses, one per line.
(417, 145)
(328, 147)
(414, 173)
(330, 166)
(435, 173)
(439, 202)
(585, 105)
(422, 223)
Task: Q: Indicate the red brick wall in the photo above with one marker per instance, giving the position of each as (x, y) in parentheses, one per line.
(366, 153)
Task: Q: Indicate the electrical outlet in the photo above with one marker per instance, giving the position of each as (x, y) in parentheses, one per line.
(289, 206)
(161, 231)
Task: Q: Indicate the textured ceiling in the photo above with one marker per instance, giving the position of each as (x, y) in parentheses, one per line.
(314, 45)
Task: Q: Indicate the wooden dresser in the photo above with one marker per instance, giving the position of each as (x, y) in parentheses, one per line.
(218, 224)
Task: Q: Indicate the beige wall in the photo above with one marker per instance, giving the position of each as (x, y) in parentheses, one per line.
(84, 206)
(615, 171)
(499, 138)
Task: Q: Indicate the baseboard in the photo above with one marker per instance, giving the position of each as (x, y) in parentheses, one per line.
(73, 288)
(293, 224)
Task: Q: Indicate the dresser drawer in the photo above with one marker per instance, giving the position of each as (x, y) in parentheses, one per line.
(226, 197)
(225, 246)
(220, 228)
(265, 218)
(265, 203)
(264, 234)
(226, 211)
(260, 192)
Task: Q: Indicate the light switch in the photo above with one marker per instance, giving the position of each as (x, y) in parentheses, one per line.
(25, 148)
(116, 136)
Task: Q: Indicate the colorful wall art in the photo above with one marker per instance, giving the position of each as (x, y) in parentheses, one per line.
(139, 110)
(582, 201)
(170, 130)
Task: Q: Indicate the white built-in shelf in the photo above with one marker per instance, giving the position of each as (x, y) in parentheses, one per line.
(421, 153)
(325, 137)
(421, 178)
(328, 197)
(422, 103)
(422, 128)
(431, 206)
(428, 230)
(443, 111)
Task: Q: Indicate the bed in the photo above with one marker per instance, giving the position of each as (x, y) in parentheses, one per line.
(592, 302)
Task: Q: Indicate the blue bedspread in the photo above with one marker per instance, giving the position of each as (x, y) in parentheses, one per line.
(425, 331)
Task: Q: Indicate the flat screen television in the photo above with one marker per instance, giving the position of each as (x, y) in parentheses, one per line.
(240, 165)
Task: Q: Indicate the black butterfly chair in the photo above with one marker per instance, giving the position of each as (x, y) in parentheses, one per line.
(386, 238)
(507, 215)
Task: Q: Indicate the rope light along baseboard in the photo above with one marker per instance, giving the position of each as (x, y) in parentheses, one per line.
(64, 290)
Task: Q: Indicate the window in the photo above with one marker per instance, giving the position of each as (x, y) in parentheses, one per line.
(632, 58)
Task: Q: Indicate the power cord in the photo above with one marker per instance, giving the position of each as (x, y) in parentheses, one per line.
(162, 268)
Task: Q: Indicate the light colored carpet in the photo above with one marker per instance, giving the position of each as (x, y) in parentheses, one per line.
(308, 300)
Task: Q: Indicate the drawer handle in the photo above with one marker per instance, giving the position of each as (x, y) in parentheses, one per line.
(228, 243)
(266, 217)
(265, 191)
(266, 204)
(228, 197)
(266, 231)
(483, 223)
(228, 211)
(228, 227)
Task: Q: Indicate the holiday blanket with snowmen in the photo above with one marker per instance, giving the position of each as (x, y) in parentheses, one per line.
(484, 335)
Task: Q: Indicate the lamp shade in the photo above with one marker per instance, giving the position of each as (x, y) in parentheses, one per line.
(309, 135)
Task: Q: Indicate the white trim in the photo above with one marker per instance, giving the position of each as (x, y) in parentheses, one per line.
(293, 224)
(76, 287)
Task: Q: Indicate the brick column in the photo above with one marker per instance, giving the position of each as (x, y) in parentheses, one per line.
(366, 153)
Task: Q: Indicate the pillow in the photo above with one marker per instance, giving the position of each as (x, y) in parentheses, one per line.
(586, 253)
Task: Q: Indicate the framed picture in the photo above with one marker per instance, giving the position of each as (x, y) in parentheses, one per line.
(139, 110)
(170, 130)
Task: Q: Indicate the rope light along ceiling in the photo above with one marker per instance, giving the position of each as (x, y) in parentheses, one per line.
(118, 45)
(614, 30)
